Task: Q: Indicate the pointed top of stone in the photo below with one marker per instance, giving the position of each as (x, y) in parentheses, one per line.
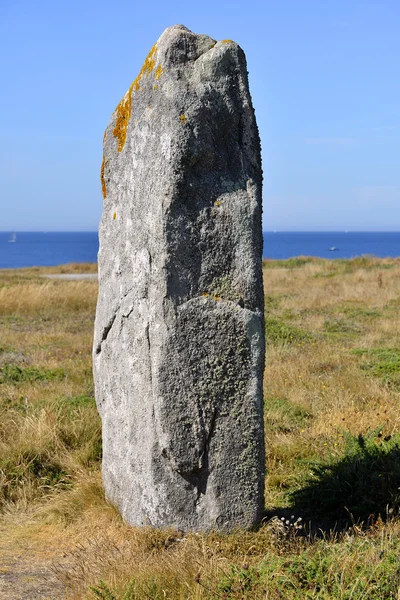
(178, 45)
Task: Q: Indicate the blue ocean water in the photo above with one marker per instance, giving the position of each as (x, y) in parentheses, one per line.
(331, 244)
(47, 249)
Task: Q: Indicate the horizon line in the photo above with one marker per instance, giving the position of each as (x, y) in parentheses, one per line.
(8, 231)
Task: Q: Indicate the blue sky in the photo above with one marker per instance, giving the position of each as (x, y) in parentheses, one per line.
(324, 76)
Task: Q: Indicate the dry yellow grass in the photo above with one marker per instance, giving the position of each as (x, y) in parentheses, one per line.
(30, 298)
(333, 364)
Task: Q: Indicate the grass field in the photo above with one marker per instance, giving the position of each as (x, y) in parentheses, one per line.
(332, 412)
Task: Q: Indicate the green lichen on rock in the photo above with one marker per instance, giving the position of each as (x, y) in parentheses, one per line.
(222, 288)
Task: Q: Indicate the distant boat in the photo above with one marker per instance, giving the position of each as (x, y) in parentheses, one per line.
(13, 238)
(333, 248)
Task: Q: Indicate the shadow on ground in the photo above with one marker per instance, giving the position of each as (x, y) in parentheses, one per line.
(359, 488)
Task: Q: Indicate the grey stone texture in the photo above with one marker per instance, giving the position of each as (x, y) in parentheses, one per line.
(179, 334)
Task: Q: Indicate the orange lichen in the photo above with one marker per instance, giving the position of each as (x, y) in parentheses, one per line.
(183, 118)
(218, 203)
(227, 41)
(124, 108)
(103, 182)
(158, 72)
(114, 216)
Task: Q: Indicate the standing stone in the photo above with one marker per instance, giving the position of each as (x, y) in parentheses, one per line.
(179, 340)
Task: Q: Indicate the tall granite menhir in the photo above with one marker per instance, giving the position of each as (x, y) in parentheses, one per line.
(179, 340)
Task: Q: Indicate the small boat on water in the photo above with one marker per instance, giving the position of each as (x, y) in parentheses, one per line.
(333, 248)
(13, 238)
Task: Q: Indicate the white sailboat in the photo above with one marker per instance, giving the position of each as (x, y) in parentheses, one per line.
(13, 238)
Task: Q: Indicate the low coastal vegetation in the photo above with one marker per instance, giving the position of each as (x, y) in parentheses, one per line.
(332, 412)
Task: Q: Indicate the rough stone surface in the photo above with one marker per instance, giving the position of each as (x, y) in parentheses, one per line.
(179, 340)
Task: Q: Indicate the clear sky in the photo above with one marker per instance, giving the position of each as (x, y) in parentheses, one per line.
(324, 76)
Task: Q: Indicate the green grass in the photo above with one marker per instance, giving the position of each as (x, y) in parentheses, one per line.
(11, 373)
(291, 263)
(318, 571)
(279, 330)
(331, 379)
(284, 416)
(74, 403)
(363, 481)
(359, 312)
(382, 362)
(340, 326)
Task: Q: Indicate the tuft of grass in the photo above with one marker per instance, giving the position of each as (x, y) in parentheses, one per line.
(383, 363)
(284, 416)
(42, 449)
(341, 326)
(271, 302)
(279, 331)
(361, 313)
(12, 373)
(74, 403)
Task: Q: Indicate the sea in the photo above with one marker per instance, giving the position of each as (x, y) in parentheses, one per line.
(29, 249)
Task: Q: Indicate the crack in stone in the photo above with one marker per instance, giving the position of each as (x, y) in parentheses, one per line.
(128, 314)
(106, 331)
(198, 478)
(110, 323)
(147, 334)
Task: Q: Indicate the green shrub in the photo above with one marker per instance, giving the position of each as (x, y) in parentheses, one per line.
(278, 331)
(11, 373)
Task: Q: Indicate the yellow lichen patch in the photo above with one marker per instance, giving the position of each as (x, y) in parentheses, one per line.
(227, 41)
(216, 297)
(155, 87)
(114, 216)
(158, 72)
(124, 108)
(183, 118)
(103, 182)
(206, 295)
(218, 203)
(104, 136)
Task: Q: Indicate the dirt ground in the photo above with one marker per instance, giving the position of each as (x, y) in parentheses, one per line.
(26, 566)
